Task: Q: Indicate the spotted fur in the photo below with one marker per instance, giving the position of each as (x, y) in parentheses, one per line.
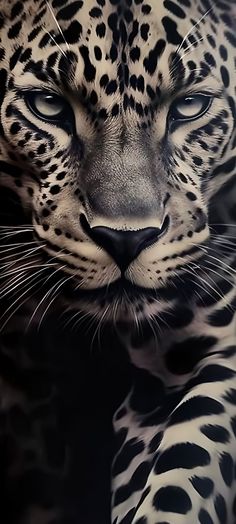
(120, 163)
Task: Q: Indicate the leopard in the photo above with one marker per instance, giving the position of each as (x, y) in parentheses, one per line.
(118, 208)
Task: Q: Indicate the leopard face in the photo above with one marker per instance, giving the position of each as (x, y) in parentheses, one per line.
(115, 118)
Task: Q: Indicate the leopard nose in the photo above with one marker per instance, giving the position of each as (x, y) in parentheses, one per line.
(125, 246)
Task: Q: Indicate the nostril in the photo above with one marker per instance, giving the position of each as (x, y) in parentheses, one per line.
(123, 246)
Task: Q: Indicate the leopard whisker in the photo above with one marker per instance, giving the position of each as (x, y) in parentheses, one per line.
(19, 305)
(56, 44)
(44, 297)
(220, 295)
(192, 28)
(55, 293)
(57, 24)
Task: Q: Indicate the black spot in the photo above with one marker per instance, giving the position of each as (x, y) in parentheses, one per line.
(230, 396)
(204, 517)
(172, 499)
(224, 76)
(66, 67)
(173, 37)
(136, 483)
(203, 485)
(206, 299)
(54, 190)
(231, 38)
(134, 32)
(197, 160)
(227, 468)
(26, 55)
(115, 110)
(113, 53)
(34, 33)
(191, 196)
(68, 12)
(212, 373)
(226, 168)
(182, 455)
(95, 12)
(220, 508)
(140, 84)
(72, 34)
(144, 31)
(44, 41)
(15, 57)
(39, 16)
(174, 9)
(101, 30)
(195, 407)
(104, 80)
(146, 9)
(131, 449)
(127, 518)
(58, 3)
(15, 30)
(16, 10)
(41, 149)
(155, 442)
(111, 87)
(2, 53)
(97, 52)
(128, 15)
(223, 52)
(222, 317)
(102, 114)
(150, 62)
(93, 98)
(135, 53)
(210, 59)
(89, 69)
(15, 128)
(215, 433)
(182, 357)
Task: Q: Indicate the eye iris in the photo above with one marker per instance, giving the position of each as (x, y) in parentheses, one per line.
(48, 105)
(190, 107)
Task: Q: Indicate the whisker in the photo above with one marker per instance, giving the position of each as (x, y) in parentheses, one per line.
(44, 297)
(55, 295)
(53, 39)
(57, 24)
(16, 302)
(192, 28)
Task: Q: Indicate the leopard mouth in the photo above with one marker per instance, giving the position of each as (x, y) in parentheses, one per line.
(125, 293)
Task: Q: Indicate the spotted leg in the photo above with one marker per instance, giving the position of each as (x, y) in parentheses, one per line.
(176, 465)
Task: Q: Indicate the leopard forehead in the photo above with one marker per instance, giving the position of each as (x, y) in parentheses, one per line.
(100, 48)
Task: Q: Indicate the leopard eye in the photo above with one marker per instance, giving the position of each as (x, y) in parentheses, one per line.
(190, 107)
(48, 106)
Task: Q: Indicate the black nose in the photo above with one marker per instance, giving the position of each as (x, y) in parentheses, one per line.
(123, 246)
